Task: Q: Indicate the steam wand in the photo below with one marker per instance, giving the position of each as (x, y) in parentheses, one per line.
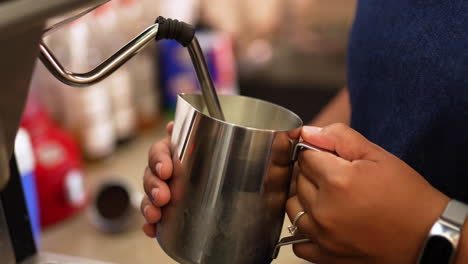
(162, 29)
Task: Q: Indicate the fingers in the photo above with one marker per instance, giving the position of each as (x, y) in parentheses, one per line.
(306, 192)
(340, 138)
(305, 224)
(306, 227)
(151, 213)
(311, 251)
(319, 167)
(156, 189)
(149, 229)
(159, 159)
(308, 251)
(314, 253)
(169, 128)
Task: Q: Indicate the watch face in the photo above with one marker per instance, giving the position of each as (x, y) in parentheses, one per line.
(438, 250)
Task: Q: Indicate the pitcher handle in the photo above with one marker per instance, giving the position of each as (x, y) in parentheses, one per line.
(301, 146)
(291, 240)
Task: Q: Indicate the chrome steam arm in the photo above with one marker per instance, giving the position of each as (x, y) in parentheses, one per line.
(162, 29)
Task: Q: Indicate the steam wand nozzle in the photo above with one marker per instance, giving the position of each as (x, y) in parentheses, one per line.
(185, 35)
(175, 29)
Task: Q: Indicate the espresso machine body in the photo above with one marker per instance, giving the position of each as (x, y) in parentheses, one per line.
(22, 24)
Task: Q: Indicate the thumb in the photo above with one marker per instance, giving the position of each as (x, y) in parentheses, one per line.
(343, 140)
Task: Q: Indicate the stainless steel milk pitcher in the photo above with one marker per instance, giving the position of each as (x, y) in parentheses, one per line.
(231, 181)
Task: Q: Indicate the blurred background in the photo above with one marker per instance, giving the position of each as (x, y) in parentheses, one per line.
(82, 150)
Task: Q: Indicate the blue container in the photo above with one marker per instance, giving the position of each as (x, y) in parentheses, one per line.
(25, 159)
(178, 74)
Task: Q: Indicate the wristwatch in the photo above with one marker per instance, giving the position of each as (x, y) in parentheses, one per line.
(441, 244)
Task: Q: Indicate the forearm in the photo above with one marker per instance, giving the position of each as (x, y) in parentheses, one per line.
(462, 252)
(338, 110)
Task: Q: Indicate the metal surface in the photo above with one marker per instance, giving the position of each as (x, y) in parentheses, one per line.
(53, 24)
(447, 230)
(6, 249)
(286, 242)
(302, 146)
(449, 227)
(21, 24)
(230, 183)
(19, 16)
(4, 158)
(17, 59)
(204, 78)
(293, 227)
(123, 55)
(455, 213)
(105, 68)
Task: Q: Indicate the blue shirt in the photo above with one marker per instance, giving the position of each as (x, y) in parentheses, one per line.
(408, 83)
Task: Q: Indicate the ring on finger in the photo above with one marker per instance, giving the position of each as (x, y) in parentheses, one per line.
(293, 228)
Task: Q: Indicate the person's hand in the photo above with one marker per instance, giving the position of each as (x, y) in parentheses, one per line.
(157, 191)
(363, 205)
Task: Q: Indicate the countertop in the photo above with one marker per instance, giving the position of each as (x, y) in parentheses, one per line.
(78, 237)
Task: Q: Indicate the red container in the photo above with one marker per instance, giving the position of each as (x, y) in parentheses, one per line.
(58, 166)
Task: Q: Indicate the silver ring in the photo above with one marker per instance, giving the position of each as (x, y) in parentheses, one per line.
(293, 228)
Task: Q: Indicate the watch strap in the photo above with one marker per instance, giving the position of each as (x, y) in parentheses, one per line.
(455, 213)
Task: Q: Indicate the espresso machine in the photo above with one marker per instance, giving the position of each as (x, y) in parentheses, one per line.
(22, 23)
(22, 26)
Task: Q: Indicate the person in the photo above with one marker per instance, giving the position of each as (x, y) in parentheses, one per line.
(404, 155)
